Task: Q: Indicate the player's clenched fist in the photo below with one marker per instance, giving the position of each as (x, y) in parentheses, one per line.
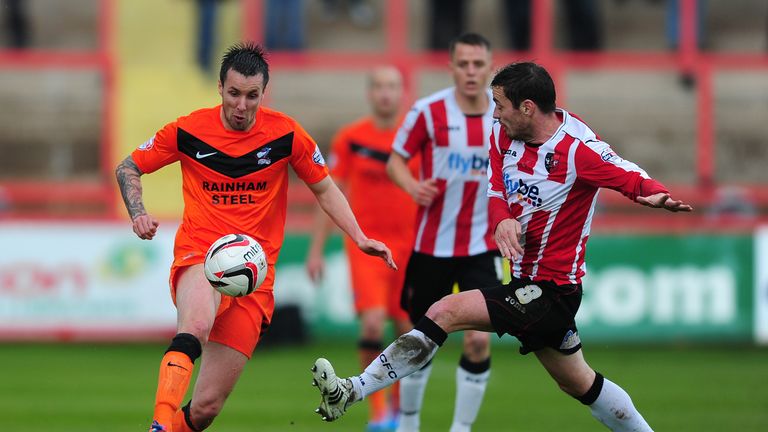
(425, 192)
(145, 226)
(507, 238)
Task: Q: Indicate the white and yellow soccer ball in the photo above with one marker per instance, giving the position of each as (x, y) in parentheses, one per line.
(235, 265)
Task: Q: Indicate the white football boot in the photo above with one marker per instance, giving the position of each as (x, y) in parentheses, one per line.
(336, 393)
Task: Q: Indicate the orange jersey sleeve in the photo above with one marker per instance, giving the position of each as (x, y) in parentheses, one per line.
(306, 158)
(158, 151)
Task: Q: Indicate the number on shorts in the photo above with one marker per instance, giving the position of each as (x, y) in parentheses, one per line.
(528, 293)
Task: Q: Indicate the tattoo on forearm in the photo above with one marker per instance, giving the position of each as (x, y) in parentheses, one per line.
(128, 178)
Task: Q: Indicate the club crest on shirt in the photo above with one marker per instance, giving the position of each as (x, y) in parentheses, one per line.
(317, 156)
(551, 160)
(262, 153)
(148, 144)
(609, 155)
(263, 156)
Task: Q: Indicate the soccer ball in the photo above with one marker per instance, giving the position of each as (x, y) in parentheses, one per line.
(235, 265)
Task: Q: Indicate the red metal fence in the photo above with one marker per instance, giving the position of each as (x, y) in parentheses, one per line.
(702, 66)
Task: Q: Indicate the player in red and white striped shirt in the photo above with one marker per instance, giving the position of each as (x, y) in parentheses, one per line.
(453, 245)
(551, 187)
(546, 169)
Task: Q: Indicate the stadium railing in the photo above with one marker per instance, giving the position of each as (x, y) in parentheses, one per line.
(54, 197)
(617, 213)
(98, 197)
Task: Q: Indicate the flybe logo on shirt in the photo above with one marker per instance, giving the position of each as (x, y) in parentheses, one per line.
(474, 165)
(525, 193)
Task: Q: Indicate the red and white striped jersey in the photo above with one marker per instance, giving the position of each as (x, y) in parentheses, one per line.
(454, 150)
(551, 189)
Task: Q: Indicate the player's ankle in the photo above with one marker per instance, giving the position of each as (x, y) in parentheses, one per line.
(409, 422)
(357, 394)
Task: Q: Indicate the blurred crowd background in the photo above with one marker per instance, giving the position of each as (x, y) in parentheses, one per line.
(82, 82)
(678, 86)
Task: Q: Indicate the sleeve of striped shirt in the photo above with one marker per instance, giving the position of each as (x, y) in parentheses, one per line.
(598, 165)
(498, 209)
(412, 135)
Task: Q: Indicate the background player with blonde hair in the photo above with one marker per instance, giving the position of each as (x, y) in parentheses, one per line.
(454, 245)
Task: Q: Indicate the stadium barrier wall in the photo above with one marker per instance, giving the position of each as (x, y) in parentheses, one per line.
(83, 280)
(761, 286)
(96, 280)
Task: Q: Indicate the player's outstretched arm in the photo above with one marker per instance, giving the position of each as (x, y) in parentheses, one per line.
(129, 180)
(663, 200)
(333, 202)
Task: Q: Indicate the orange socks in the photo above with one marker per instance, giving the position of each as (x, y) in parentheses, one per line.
(175, 373)
(394, 397)
(179, 423)
(377, 402)
(378, 405)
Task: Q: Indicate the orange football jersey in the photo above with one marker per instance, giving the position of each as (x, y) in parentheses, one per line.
(233, 181)
(358, 159)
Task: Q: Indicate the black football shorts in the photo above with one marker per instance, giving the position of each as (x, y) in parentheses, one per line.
(429, 278)
(540, 314)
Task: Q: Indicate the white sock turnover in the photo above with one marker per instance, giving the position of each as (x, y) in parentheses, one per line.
(614, 408)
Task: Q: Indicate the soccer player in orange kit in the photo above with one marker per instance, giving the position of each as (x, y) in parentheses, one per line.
(234, 162)
(358, 161)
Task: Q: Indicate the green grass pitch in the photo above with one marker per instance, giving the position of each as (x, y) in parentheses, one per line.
(77, 387)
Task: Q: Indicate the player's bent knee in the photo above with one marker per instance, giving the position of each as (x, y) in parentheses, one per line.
(198, 328)
(372, 323)
(204, 412)
(372, 330)
(372, 333)
(476, 342)
(477, 337)
(443, 313)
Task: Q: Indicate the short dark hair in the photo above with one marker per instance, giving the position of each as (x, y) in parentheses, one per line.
(527, 80)
(247, 58)
(470, 38)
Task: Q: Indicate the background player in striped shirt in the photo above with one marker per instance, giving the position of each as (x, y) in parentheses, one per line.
(449, 130)
(357, 161)
(546, 169)
(234, 162)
